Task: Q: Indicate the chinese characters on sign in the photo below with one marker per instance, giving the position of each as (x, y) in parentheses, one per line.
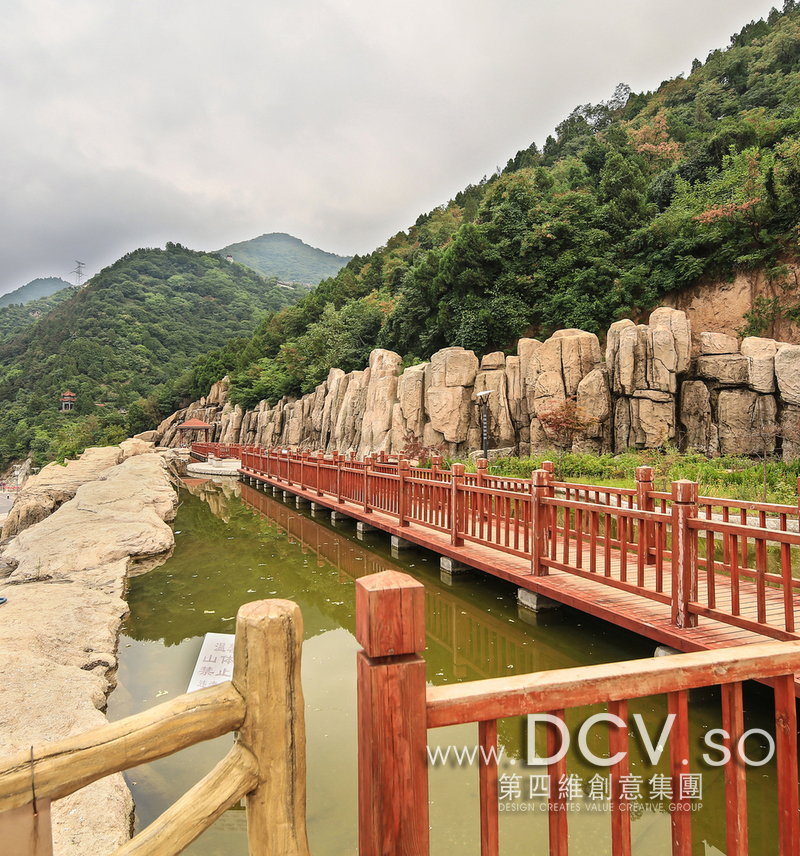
(214, 663)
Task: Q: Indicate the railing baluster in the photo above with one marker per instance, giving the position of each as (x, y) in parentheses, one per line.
(487, 767)
(786, 754)
(681, 816)
(735, 771)
(620, 813)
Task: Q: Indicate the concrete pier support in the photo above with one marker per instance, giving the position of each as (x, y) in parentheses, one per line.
(338, 516)
(361, 526)
(301, 502)
(451, 570)
(399, 543)
(536, 602)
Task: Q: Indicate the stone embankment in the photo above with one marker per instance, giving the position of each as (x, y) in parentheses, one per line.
(656, 384)
(78, 531)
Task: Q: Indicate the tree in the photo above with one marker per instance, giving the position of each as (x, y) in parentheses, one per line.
(562, 422)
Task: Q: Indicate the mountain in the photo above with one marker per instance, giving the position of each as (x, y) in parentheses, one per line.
(34, 290)
(629, 199)
(287, 258)
(125, 344)
(16, 316)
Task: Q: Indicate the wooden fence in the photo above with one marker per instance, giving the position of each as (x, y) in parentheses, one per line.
(266, 766)
(396, 711)
(727, 560)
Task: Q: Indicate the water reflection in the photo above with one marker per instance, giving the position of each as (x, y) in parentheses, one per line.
(235, 543)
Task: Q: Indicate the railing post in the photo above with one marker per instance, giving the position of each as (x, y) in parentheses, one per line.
(320, 461)
(367, 472)
(482, 466)
(266, 671)
(456, 504)
(392, 725)
(541, 482)
(549, 467)
(403, 468)
(644, 502)
(337, 461)
(684, 552)
(436, 467)
(303, 463)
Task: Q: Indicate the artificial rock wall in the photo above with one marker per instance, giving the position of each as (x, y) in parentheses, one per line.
(653, 387)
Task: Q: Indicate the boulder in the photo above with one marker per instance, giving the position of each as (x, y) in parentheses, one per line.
(718, 343)
(493, 361)
(696, 415)
(678, 324)
(760, 355)
(726, 369)
(652, 421)
(500, 426)
(662, 360)
(787, 373)
(746, 422)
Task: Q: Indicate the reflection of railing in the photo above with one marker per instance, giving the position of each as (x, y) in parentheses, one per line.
(477, 640)
(234, 451)
(396, 709)
(638, 540)
(263, 701)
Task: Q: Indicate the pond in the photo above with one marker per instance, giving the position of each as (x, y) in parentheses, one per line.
(235, 543)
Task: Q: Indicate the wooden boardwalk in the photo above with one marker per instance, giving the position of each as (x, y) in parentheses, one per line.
(610, 559)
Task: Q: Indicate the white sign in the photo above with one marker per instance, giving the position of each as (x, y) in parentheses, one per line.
(214, 662)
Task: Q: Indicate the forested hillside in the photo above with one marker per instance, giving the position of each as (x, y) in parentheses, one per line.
(34, 290)
(628, 199)
(285, 257)
(14, 317)
(125, 344)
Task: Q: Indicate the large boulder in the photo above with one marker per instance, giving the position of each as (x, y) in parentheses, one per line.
(746, 422)
(787, 373)
(696, 416)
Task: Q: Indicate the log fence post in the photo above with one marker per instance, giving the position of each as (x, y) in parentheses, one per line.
(456, 504)
(266, 671)
(541, 485)
(684, 552)
(392, 725)
(403, 471)
(644, 502)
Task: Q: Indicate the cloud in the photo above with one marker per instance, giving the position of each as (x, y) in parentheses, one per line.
(339, 121)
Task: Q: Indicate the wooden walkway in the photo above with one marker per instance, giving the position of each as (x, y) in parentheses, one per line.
(610, 559)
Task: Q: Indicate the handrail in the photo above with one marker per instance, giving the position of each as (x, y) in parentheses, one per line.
(392, 690)
(263, 702)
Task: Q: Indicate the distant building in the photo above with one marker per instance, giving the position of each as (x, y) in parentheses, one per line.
(229, 259)
(67, 401)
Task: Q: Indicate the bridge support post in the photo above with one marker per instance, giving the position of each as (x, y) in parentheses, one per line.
(392, 726)
(540, 488)
(684, 552)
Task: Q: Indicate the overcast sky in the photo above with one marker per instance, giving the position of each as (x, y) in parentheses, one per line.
(207, 122)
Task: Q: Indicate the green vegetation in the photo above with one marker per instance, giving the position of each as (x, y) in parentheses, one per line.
(732, 477)
(285, 257)
(125, 345)
(15, 317)
(35, 290)
(631, 198)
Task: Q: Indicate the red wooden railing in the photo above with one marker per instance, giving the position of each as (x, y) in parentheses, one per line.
(396, 710)
(727, 560)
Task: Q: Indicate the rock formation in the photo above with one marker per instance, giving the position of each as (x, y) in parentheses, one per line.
(64, 579)
(659, 384)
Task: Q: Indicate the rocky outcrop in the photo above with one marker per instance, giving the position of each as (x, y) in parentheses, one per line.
(62, 617)
(660, 383)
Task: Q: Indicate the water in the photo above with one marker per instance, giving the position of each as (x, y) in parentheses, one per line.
(234, 544)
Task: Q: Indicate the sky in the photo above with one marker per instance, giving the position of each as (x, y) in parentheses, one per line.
(206, 122)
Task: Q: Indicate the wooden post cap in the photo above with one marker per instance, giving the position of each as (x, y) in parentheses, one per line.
(540, 477)
(644, 474)
(549, 466)
(390, 614)
(481, 463)
(685, 491)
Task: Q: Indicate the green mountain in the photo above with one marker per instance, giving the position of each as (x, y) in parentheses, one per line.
(34, 290)
(628, 199)
(285, 257)
(125, 344)
(15, 317)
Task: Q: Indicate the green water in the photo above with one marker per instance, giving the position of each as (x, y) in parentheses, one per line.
(234, 544)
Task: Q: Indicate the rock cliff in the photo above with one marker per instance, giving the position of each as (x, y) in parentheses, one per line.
(657, 383)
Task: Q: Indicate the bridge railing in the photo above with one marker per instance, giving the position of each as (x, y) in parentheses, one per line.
(263, 702)
(731, 561)
(396, 711)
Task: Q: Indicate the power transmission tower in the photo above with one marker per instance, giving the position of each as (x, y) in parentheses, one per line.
(78, 273)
